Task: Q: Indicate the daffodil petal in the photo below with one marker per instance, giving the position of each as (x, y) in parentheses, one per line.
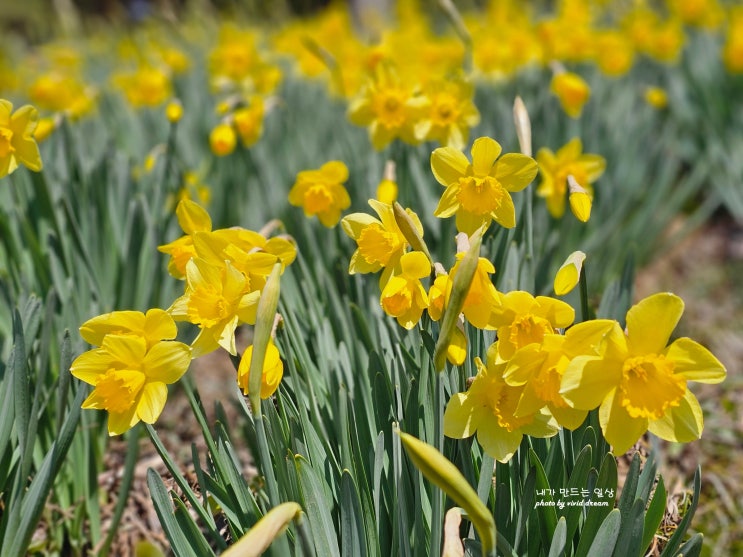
(152, 401)
(694, 362)
(505, 214)
(461, 417)
(598, 337)
(448, 204)
(415, 265)
(557, 312)
(485, 151)
(167, 361)
(524, 364)
(515, 171)
(498, 442)
(448, 165)
(651, 321)
(682, 423)
(120, 422)
(127, 349)
(192, 217)
(587, 380)
(620, 429)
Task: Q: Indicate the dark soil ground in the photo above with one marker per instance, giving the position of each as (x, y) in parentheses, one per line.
(706, 270)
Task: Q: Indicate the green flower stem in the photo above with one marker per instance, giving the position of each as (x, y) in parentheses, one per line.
(437, 516)
(584, 295)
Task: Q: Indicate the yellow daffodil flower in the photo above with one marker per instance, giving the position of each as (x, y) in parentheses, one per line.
(637, 379)
(222, 139)
(523, 319)
(321, 192)
(438, 295)
(478, 192)
(572, 92)
(539, 368)
(217, 299)
(192, 218)
(174, 111)
(130, 377)
(273, 370)
(404, 297)
(387, 191)
(488, 408)
(17, 143)
(554, 169)
(380, 242)
(388, 108)
(146, 86)
(447, 113)
(248, 121)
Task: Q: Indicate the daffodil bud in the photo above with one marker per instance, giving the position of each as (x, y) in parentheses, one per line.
(387, 188)
(265, 531)
(437, 469)
(580, 200)
(174, 111)
(568, 275)
(410, 231)
(523, 126)
(460, 288)
(267, 306)
(656, 97)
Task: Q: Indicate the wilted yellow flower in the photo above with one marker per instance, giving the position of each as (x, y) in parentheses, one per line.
(555, 168)
(404, 297)
(478, 192)
(488, 408)
(273, 370)
(321, 192)
(131, 369)
(638, 381)
(17, 143)
(572, 92)
(222, 139)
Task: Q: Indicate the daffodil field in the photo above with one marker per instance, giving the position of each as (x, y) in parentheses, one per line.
(410, 239)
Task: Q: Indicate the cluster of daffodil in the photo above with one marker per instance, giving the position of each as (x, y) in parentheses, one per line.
(398, 78)
(225, 271)
(543, 372)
